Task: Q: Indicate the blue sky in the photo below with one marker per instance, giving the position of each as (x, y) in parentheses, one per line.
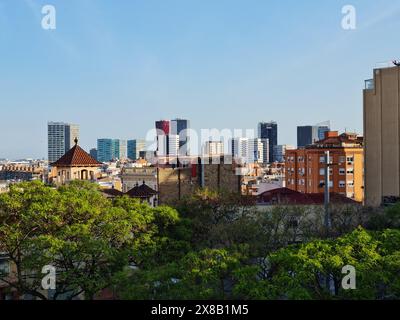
(115, 67)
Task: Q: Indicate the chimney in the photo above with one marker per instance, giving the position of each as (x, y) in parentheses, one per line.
(331, 134)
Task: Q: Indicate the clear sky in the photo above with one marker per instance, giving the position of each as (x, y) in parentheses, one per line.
(115, 67)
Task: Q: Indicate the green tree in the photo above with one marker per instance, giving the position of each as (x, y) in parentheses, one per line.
(204, 274)
(86, 237)
(303, 271)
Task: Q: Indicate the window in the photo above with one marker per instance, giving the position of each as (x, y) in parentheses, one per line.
(4, 267)
(350, 183)
(342, 171)
(350, 171)
(342, 184)
(322, 159)
(342, 159)
(322, 172)
(350, 159)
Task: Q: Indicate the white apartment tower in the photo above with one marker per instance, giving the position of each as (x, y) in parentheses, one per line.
(173, 145)
(213, 148)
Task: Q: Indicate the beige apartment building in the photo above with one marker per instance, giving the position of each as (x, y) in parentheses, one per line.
(382, 136)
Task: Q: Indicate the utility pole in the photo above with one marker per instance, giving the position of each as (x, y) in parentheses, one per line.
(326, 206)
(327, 221)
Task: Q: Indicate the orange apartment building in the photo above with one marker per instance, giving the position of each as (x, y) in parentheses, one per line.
(305, 168)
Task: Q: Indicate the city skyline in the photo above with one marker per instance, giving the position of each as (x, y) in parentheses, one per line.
(151, 145)
(295, 66)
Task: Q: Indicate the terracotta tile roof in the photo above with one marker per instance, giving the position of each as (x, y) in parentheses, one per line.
(291, 197)
(340, 140)
(143, 191)
(76, 157)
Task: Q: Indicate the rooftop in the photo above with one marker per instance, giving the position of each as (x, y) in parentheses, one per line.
(334, 140)
(142, 191)
(76, 157)
(291, 197)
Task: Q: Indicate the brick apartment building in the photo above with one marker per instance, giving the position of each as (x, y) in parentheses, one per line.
(305, 167)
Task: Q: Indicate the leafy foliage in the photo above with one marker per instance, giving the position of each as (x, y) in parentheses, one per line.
(210, 246)
(86, 237)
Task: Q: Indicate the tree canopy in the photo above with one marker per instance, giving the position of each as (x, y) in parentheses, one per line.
(208, 246)
(86, 237)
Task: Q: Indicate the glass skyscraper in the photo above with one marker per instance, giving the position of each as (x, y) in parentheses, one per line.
(134, 148)
(111, 149)
(269, 130)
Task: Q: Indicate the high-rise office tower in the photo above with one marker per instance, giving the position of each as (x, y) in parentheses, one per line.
(111, 149)
(135, 147)
(122, 149)
(93, 153)
(269, 130)
(60, 139)
(164, 126)
(105, 150)
(321, 132)
(181, 127)
(71, 134)
(307, 135)
(266, 155)
(163, 131)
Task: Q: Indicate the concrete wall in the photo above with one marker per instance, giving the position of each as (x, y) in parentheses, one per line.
(381, 131)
